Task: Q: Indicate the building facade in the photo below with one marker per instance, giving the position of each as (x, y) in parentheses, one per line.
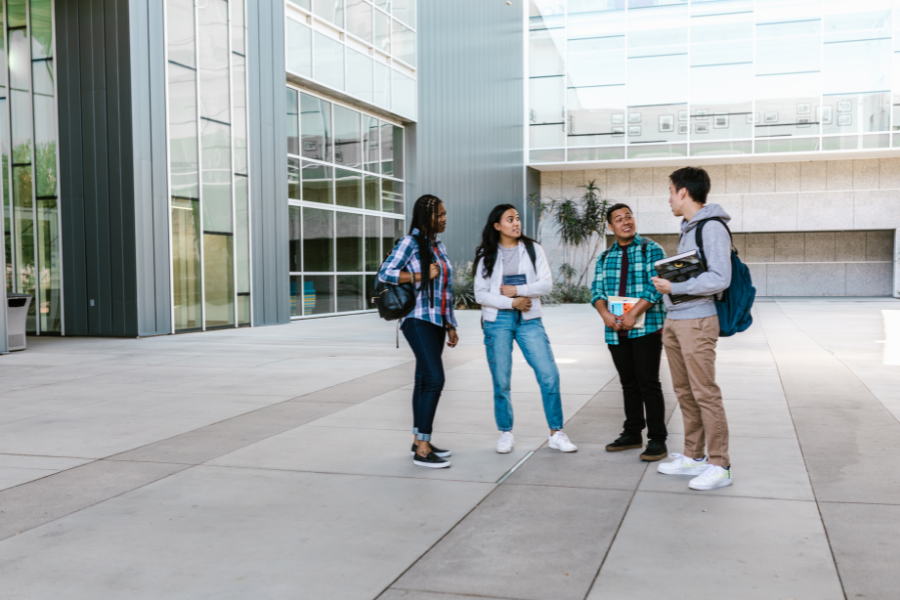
(791, 105)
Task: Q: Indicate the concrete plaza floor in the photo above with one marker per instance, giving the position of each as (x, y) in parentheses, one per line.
(274, 463)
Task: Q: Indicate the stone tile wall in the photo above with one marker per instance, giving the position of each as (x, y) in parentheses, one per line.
(845, 211)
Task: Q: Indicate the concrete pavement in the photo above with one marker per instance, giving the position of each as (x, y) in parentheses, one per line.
(274, 463)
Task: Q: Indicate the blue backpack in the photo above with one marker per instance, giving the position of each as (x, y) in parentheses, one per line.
(735, 303)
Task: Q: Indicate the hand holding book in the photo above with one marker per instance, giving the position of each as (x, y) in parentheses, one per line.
(678, 268)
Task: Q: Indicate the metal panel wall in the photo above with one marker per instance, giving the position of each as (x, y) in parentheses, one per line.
(110, 100)
(470, 133)
(268, 162)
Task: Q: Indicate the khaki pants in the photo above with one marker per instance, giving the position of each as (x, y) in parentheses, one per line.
(691, 351)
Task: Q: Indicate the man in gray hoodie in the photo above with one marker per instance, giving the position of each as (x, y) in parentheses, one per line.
(692, 331)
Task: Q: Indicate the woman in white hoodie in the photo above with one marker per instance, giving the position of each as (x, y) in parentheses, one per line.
(511, 274)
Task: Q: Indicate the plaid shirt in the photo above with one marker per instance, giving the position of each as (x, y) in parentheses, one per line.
(638, 285)
(405, 257)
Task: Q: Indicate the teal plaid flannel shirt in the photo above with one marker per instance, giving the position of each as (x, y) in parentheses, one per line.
(641, 269)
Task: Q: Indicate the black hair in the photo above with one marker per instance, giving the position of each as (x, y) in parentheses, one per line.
(490, 240)
(695, 180)
(424, 218)
(614, 208)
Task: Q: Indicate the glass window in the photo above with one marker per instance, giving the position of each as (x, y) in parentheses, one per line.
(391, 232)
(305, 4)
(370, 292)
(315, 124)
(318, 240)
(404, 95)
(293, 178)
(547, 95)
(218, 278)
(299, 48)
(242, 235)
(384, 5)
(215, 143)
(359, 19)
(348, 188)
(50, 292)
(387, 148)
(371, 141)
(372, 193)
(349, 242)
(214, 85)
(15, 13)
(183, 149)
(180, 31)
(382, 32)
(360, 75)
(318, 294)
(186, 263)
(405, 10)
(392, 196)
(293, 123)
(294, 230)
(598, 61)
(546, 52)
(373, 244)
(382, 85)
(547, 136)
(41, 29)
(596, 116)
(239, 115)
(296, 298)
(404, 43)
(347, 137)
(349, 293)
(238, 26)
(329, 61)
(45, 133)
(397, 134)
(330, 10)
(317, 184)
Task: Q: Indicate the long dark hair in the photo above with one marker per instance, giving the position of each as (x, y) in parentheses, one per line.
(490, 239)
(424, 219)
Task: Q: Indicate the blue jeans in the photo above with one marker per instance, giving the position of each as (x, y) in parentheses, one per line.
(427, 343)
(535, 345)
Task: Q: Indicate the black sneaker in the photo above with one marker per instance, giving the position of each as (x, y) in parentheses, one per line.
(432, 461)
(626, 442)
(435, 449)
(656, 450)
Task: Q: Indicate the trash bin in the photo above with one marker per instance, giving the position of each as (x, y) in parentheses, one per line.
(16, 317)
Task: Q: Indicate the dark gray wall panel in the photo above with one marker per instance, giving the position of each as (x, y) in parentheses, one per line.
(268, 162)
(470, 131)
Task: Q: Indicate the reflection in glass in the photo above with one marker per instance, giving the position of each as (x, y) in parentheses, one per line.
(329, 61)
(218, 277)
(20, 96)
(597, 61)
(239, 124)
(243, 309)
(382, 85)
(180, 31)
(403, 95)
(307, 4)
(318, 294)
(330, 10)
(387, 148)
(373, 243)
(317, 184)
(315, 125)
(371, 142)
(544, 136)
(787, 105)
(372, 193)
(546, 52)
(238, 27)
(368, 304)
(50, 293)
(404, 43)
(318, 240)
(360, 82)
(397, 134)
(392, 196)
(299, 48)
(347, 137)
(391, 232)
(547, 100)
(349, 292)
(359, 19)
(242, 233)
(405, 10)
(7, 209)
(214, 87)
(186, 263)
(296, 297)
(41, 29)
(382, 32)
(215, 143)
(293, 123)
(15, 13)
(349, 242)
(293, 178)
(348, 188)
(294, 239)
(23, 234)
(596, 116)
(183, 158)
(45, 133)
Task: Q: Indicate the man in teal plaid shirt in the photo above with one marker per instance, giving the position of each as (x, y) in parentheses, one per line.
(625, 270)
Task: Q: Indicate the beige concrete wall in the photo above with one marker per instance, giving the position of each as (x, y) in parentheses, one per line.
(813, 197)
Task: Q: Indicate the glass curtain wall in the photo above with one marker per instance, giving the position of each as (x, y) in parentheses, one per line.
(375, 58)
(623, 79)
(345, 188)
(28, 143)
(207, 92)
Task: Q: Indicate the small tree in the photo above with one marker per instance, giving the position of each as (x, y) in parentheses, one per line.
(539, 209)
(594, 224)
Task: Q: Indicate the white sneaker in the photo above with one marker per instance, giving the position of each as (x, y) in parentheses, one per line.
(713, 477)
(506, 443)
(560, 441)
(682, 465)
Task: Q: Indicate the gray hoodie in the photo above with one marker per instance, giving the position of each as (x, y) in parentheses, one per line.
(716, 279)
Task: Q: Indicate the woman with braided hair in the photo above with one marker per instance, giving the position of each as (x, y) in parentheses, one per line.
(421, 258)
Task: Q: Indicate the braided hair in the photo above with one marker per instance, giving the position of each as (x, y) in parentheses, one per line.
(424, 219)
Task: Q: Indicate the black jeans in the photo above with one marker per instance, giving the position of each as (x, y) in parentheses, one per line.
(637, 361)
(427, 343)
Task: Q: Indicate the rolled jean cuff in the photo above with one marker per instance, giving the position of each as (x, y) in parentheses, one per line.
(556, 428)
(423, 437)
(415, 430)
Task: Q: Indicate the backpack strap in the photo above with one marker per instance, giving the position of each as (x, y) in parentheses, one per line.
(529, 247)
(698, 236)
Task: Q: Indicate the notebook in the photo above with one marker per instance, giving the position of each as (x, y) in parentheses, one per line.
(678, 268)
(619, 305)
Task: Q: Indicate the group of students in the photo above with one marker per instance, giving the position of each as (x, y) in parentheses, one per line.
(688, 331)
